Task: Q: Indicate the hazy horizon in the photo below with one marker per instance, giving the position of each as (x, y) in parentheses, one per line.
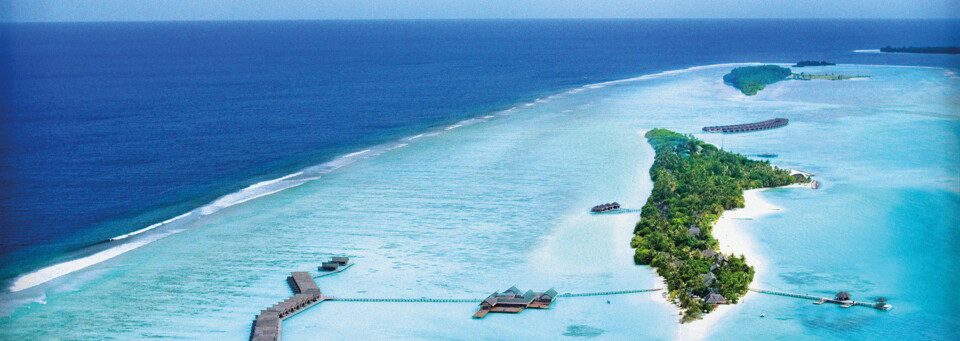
(224, 10)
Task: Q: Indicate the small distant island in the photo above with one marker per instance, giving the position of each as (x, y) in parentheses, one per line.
(803, 63)
(751, 79)
(693, 183)
(928, 49)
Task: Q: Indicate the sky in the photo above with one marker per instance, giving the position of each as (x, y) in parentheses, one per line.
(166, 10)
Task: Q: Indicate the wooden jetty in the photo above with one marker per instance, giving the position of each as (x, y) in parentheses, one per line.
(842, 298)
(746, 127)
(268, 324)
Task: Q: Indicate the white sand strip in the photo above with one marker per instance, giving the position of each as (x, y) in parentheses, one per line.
(733, 239)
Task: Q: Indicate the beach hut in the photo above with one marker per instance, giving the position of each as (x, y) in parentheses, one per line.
(708, 253)
(708, 278)
(843, 296)
(715, 299)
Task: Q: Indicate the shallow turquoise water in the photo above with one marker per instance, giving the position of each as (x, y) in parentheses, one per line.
(503, 201)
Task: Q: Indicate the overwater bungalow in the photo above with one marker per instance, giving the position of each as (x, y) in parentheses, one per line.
(512, 301)
(605, 207)
(842, 296)
(303, 283)
(341, 260)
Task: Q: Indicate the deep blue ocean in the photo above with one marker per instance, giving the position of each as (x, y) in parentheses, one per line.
(110, 127)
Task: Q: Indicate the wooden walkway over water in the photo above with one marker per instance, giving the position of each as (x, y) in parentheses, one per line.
(817, 299)
(268, 324)
(474, 300)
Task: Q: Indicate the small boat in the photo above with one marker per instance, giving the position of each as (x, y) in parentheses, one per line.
(761, 315)
(605, 207)
(814, 184)
(821, 301)
(886, 307)
(847, 304)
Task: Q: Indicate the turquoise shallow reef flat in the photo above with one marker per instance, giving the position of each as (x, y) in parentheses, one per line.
(503, 199)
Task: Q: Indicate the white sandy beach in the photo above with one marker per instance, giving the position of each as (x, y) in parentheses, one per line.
(733, 239)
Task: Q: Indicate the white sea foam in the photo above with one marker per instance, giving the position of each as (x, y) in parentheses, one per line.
(256, 191)
(49, 273)
(357, 153)
(867, 51)
(265, 188)
(151, 227)
(268, 182)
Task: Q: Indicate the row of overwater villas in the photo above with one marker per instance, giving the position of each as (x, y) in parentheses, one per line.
(334, 263)
(267, 325)
(513, 301)
(738, 128)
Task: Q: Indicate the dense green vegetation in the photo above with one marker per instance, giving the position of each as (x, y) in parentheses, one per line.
(693, 183)
(930, 49)
(803, 63)
(750, 79)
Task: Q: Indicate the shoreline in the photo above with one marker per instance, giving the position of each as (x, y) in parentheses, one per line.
(734, 240)
(35, 277)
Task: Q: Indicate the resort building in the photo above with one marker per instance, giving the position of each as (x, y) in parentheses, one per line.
(267, 325)
(716, 299)
(512, 301)
(708, 278)
(334, 264)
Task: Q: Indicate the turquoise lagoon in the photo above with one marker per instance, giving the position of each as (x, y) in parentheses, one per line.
(503, 199)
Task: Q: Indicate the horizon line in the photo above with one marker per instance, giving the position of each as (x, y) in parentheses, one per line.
(453, 19)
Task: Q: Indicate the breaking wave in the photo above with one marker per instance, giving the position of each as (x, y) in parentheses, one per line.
(124, 243)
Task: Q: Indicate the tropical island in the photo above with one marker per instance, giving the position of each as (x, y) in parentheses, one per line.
(803, 63)
(928, 49)
(693, 183)
(751, 79)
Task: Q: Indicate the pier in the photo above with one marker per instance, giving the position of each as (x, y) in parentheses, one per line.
(842, 298)
(268, 324)
(746, 127)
